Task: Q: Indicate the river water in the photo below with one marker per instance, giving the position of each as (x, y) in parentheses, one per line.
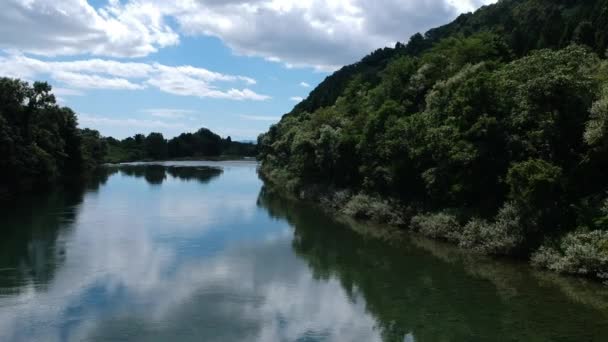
(203, 251)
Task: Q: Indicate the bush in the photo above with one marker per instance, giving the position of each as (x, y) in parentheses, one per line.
(336, 199)
(581, 253)
(365, 207)
(502, 237)
(437, 226)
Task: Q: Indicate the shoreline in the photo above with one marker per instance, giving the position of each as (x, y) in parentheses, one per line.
(220, 158)
(388, 218)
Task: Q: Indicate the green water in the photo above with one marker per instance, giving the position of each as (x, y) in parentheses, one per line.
(198, 251)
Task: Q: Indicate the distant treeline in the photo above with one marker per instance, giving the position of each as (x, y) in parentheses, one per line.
(41, 144)
(204, 143)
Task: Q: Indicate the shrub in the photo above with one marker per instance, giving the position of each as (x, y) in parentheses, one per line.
(335, 200)
(502, 237)
(437, 226)
(471, 236)
(366, 207)
(582, 253)
(597, 127)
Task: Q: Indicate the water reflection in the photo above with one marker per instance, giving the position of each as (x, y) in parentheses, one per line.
(204, 255)
(431, 292)
(156, 174)
(34, 230)
(221, 270)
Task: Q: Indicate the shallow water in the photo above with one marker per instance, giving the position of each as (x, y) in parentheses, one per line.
(202, 251)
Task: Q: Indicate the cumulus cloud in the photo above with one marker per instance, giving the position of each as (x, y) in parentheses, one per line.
(85, 81)
(296, 98)
(312, 33)
(109, 74)
(71, 27)
(304, 84)
(318, 33)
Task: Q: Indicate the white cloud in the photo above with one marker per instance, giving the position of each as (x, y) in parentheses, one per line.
(71, 27)
(178, 83)
(296, 98)
(312, 33)
(304, 84)
(58, 91)
(109, 74)
(85, 81)
(315, 33)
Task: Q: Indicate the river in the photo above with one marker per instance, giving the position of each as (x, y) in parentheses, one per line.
(203, 251)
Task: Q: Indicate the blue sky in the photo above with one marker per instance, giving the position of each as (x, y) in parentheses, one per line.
(233, 66)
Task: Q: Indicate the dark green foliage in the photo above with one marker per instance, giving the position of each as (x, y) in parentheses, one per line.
(524, 25)
(496, 116)
(533, 182)
(40, 142)
(201, 144)
(156, 146)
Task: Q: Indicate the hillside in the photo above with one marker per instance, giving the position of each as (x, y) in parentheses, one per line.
(525, 25)
(490, 132)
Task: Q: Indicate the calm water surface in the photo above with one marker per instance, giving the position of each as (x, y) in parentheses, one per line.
(201, 251)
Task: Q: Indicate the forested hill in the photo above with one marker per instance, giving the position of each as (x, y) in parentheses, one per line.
(524, 25)
(490, 132)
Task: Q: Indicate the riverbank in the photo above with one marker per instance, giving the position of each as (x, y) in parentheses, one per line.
(202, 158)
(579, 253)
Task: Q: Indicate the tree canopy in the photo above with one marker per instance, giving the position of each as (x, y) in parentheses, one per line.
(497, 120)
(40, 142)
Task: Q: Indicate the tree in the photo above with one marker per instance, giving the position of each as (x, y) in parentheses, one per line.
(40, 142)
(156, 146)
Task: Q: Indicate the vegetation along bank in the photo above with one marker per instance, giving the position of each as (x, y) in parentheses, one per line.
(490, 132)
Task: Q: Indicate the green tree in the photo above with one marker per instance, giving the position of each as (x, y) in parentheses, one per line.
(156, 146)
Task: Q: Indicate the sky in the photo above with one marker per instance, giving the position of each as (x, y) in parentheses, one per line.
(233, 66)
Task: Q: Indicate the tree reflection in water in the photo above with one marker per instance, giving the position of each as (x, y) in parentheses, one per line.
(156, 174)
(34, 234)
(432, 292)
(32, 247)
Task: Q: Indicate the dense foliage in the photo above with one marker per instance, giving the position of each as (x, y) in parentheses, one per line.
(524, 24)
(40, 142)
(490, 132)
(154, 146)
